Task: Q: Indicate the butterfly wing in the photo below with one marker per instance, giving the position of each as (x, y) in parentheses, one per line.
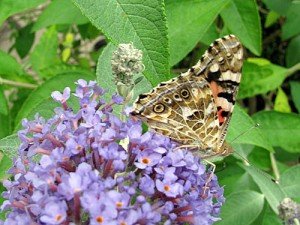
(182, 109)
(195, 108)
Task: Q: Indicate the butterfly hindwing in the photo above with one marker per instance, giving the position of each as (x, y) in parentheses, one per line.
(195, 108)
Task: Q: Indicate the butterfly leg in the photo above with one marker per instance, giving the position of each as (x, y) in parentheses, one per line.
(210, 176)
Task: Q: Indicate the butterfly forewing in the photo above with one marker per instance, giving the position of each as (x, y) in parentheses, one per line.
(194, 109)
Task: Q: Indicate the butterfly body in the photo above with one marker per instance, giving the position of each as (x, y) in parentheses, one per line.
(194, 109)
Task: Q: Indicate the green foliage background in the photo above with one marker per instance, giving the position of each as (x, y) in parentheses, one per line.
(47, 52)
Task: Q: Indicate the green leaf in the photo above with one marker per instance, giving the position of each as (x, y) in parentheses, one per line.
(105, 78)
(270, 218)
(9, 66)
(260, 158)
(60, 12)
(241, 208)
(5, 165)
(24, 40)
(271, 19)
(9, 145)
(281, 129)
(39, 101)
(141, 22)
(4, 117)
(11, 7)
(293, 52)
(291, 26)
(188, 21)
(5, 125)
(66, 69)
(282, 102)
(295, 92)
(3, 103)
(241, 122)
(272, 191)
(45, 53)
(211, 35)
(259, 77)
(241, 18)
(234, 178)
(279, 6)
(290, 182)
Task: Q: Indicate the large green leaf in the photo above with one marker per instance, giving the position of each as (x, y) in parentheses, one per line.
(279, 6)
(282, 102)
(60, 12)
(241, 18)
(3, 103)
(272, 191)
(293, 52)
(241, 208)
(295, 92)
(188, 21)
(10, 7)
(39, 101)
(9, 66)
(241, 122)
(234, 178)
(24, 40)
(290, 182)
(291, 26)
(9, 145)
(5, 164)
(4, 117)
(259, 77)
(138, 21)
(281, 129)
(45, 53)
(270, 218)
(105, 78)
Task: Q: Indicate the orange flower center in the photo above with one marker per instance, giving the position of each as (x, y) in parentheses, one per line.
(58, 217)
(100, 219)
(167, 188)
(119, 204)
(146, 160)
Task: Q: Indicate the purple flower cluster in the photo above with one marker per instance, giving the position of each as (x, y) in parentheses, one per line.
(89, 167)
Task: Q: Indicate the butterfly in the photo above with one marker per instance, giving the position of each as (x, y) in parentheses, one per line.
(194, 109)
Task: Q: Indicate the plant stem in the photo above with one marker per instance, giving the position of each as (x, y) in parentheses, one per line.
(293, 69)
(17, 84)
(274, 166)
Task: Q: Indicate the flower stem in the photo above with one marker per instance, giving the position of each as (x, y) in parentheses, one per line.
(17, 84)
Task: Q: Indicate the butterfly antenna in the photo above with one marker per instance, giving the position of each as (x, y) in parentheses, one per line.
(241, 134)
(246, 161)
(246, 131)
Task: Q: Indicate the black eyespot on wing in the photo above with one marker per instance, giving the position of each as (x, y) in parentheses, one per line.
(167, 100)
(185, 93)
(176, 96)
(159, 108)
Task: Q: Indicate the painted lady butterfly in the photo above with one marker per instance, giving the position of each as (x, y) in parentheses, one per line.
(194, 109)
